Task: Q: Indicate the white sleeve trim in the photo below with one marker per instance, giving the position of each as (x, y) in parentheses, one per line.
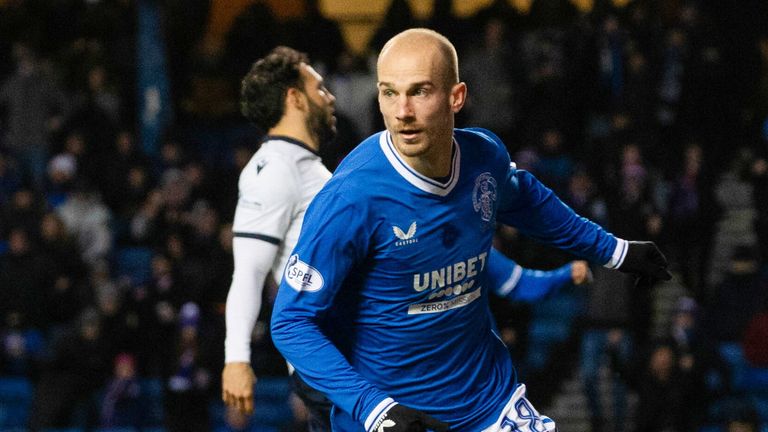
(617, 259)
(375, 417)
(253, 260)
(512, 281)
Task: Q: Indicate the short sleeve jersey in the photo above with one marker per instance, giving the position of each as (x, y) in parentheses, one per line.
(275, 189)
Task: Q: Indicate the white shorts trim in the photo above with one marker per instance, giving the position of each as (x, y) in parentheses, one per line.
(520, 415)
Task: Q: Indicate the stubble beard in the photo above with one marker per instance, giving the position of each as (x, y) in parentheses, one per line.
(320, 124)
(417, 149)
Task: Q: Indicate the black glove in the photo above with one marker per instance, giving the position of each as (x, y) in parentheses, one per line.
(644, 259)
(400, 418)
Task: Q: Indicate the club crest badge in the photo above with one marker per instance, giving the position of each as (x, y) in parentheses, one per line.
(484, 197)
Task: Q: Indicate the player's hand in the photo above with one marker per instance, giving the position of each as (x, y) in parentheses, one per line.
(237, 381)
(644, 259)
(580, 273)
(400, 418)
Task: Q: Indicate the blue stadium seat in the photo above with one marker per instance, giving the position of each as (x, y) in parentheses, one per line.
(152, 391)
(537, 355)
(720, 409)
(272, 414)
(761, 406)
(754, 380)
(15, 402)
(255, 428)
(273, 388)
(62, 430)
(263, 429)
(268, 416)
(117, 429)
(552, 324)
(272, 407)
(732, 353)
(13, 388)
(745, 378)
(134, 263)
(13, 415)
(562, 306)
(551, 331)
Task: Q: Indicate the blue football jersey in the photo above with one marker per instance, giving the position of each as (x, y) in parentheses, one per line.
(385, 296)
(508, 279)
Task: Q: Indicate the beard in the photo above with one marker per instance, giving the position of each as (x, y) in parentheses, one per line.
(320, 123)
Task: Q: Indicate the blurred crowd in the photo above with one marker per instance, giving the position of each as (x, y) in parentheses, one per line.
(649, 117)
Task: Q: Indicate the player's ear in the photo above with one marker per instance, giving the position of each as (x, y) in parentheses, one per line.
(295, 98)
(458, 96)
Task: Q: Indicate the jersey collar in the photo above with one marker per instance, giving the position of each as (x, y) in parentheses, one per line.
(289, 140)
(413, 177)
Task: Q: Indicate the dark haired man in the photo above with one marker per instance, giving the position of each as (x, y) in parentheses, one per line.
(286, 98)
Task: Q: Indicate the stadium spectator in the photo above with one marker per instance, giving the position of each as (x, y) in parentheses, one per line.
(755, 335)
(758, 174)
(62, 171)
(10, 179)
(121, 404)
(115, 175)
(319, 37)
(660, 398)
(737, 298)
(87, 219)
(24, 278)
(555, 165)
(690, 220)
(67, 292)
(444, 21)
(78, 365)
(699, 364)
(608, 342)
(25, 211)
(35, 108)
(188, 377)
(742, 417)
(23, 347)
(490, 67)
(584, 197)
(398, 17)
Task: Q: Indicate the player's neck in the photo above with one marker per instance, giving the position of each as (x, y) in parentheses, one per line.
(436, 163)
(297, 132)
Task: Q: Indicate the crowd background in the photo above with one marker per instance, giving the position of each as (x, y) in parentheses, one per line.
(647, 116)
